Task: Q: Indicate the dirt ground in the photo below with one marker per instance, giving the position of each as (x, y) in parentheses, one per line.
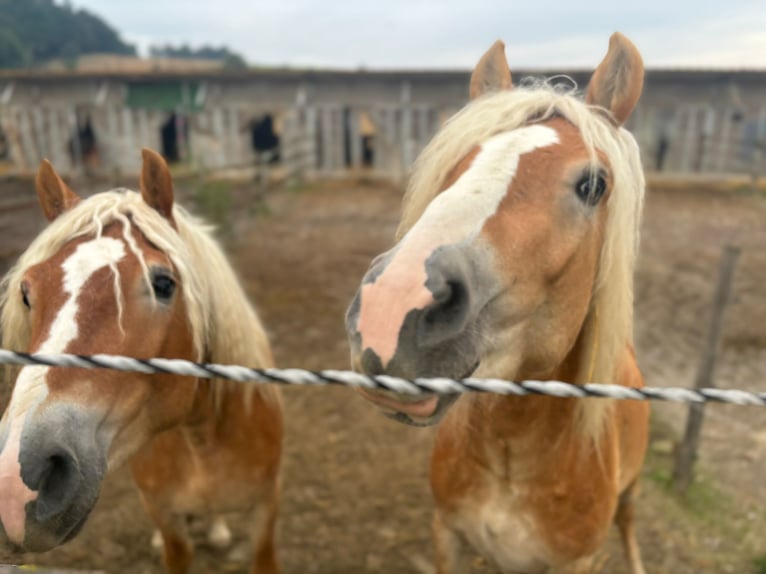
(355, 484)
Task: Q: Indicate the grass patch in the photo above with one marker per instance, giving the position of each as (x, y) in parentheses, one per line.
(704, 499)
(745, 189)
(712, 523)
(296, 186)
(259, 207)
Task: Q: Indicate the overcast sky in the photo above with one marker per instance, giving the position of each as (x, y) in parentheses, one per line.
(450, 33)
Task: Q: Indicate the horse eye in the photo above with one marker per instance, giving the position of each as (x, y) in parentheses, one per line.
(164, 286)
(25, 295)
(590, 189)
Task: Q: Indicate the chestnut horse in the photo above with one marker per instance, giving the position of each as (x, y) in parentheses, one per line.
(133, 274)
(515, 260)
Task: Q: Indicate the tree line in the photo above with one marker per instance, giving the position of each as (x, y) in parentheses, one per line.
(36, 31)
(33, 32)
(222, 53)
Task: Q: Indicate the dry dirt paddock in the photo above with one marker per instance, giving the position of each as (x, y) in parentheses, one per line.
(355, 484)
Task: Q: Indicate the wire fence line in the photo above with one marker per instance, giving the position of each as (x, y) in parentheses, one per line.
(243, 374)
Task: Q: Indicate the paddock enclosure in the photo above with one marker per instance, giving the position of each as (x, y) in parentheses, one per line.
(356, 495)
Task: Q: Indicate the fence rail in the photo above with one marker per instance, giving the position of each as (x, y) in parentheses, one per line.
(244, 374)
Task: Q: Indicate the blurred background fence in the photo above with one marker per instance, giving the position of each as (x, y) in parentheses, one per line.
(292, 123)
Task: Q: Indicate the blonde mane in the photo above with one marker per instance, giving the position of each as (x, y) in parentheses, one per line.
(609, 326)
(225, 327)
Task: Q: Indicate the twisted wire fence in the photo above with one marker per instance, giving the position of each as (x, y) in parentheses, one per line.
(418, 386)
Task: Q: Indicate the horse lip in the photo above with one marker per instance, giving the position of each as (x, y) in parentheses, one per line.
(77, 527)
(55, 540)
(443, 403)
(416, 410)
(416, 405)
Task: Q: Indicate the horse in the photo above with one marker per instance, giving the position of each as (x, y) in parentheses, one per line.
(134, 274)
(514, 259)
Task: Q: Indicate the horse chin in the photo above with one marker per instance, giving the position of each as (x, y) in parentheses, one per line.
(77, 527)
(413, 410)
(443, 403)
(42, 541)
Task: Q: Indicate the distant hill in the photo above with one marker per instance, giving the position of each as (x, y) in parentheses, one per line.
(36, 31)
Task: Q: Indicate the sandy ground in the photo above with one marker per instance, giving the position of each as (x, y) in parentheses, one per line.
(355, 484)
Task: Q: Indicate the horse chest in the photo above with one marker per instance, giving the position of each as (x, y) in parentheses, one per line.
(207, 488)
(525, 526)
(503, 532)
(194, 474)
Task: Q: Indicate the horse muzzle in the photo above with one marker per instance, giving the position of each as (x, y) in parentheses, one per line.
(50, 479)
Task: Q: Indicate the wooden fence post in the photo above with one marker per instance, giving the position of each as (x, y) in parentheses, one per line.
(687, 451)
(755, 163)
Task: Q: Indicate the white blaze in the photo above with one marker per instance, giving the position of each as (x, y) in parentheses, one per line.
(460, 212)
(88, 258)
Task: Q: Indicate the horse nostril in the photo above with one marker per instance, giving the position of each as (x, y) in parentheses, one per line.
(450, 302)
(446, 316)
(59, 482)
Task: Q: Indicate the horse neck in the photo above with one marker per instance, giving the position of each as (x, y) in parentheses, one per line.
(217, 399)
(221, 409)
(523, 418)
(207, 403)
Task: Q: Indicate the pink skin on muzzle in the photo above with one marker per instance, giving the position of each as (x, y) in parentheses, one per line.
(14, 494)
(401, 288)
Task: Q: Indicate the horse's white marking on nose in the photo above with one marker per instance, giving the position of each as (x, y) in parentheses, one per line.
(80, 266)
(14, 494)
(457, 214)
(30, 389)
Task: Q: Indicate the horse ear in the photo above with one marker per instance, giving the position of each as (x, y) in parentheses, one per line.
(491, 73)
(156, 183)
(617, 82)
(54, 195)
